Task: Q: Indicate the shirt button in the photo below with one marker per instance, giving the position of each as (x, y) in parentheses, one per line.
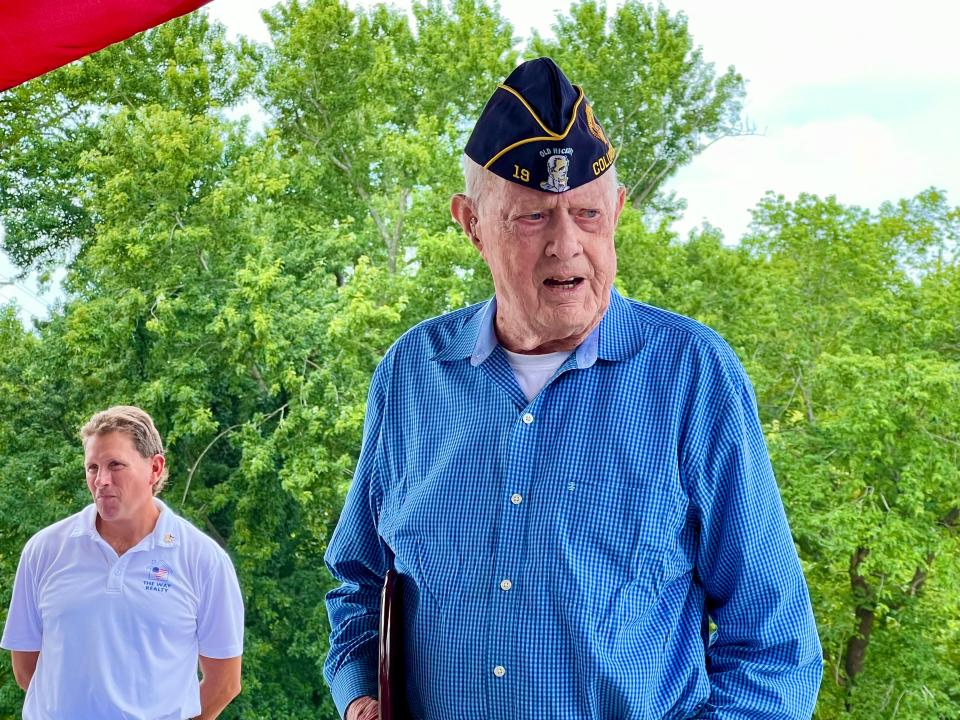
(499, 671)
(505, 584)
(516, 498)
(116, 572)
(527, 418)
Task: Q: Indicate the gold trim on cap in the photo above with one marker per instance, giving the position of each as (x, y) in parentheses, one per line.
(550, 134)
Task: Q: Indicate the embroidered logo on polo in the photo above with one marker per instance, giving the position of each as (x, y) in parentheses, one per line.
(158, 577)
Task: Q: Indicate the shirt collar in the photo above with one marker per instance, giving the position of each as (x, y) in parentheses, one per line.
(476, 339)
(620, 332)
(165, 533)
(618, 336)
(486, 335)
(85, 523)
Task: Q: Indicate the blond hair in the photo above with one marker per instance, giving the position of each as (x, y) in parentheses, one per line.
(137, 424)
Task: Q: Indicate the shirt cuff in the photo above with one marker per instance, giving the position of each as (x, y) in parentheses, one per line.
(21, 644)
(352, 680)
(222, 653)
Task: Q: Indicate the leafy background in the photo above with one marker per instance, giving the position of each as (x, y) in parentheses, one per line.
(241, 284)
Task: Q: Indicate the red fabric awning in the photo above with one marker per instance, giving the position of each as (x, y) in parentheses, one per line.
(39, 35)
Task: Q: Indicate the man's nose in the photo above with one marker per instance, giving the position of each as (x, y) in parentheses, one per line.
(103, 477)
(564, 238)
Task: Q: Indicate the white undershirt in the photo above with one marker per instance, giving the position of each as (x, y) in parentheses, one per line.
(533, 371)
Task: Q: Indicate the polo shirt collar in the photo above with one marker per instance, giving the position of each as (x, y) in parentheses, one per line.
(618, 336)
(165, 533)
(85, 522)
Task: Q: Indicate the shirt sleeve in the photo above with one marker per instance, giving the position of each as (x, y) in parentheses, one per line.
(24, 627)
(356, 558)
(765, 658)
(220, 612)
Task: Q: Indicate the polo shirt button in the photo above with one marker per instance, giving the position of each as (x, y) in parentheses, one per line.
(499, 671)
(116, 572)
(527, 418)
(505, 584)
(516, 498)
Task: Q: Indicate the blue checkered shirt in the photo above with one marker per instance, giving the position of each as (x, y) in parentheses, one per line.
(562, 558)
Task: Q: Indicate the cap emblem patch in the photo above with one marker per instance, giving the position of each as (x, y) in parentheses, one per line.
(594, 126)
(558, 167)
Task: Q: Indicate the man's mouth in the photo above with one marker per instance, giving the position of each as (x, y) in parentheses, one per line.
(563, 282)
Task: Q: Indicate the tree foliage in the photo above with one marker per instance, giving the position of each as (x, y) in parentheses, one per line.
(242, 285)
(47, 125)
(658, 100)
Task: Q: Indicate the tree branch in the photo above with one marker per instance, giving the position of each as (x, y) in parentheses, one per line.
(213, 442)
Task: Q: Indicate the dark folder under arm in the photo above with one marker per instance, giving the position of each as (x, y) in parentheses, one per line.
(391, 680)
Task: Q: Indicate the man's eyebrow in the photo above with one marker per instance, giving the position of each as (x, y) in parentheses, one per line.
(525, 207)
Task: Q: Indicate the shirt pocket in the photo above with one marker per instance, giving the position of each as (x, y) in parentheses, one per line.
(618, 546)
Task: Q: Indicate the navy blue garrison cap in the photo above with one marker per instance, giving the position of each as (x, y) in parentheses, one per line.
(538, 130)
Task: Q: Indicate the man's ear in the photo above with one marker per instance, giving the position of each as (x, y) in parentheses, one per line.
(157, 463)
(621, 199)
(464, 212)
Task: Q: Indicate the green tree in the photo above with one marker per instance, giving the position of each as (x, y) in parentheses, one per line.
(48, 123)
(863, 429)
(659, 102)
(385, 160)
(847, 321)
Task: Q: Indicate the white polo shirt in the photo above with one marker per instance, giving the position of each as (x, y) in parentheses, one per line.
(119, 636)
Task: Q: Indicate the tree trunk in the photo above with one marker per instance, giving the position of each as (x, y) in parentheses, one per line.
(858, 643)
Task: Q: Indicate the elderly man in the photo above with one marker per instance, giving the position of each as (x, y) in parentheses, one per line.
(114, 607)
(571, 485)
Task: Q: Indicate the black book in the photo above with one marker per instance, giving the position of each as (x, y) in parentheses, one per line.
(391, 679)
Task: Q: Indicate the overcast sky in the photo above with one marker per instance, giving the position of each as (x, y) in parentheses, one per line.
(851, 98)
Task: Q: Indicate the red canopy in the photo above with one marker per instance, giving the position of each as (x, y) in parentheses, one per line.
(39, 35)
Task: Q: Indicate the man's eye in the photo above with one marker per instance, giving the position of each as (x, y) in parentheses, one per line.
(533, 216)
(589, 214)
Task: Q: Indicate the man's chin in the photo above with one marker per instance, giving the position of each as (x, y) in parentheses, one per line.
(108, 508)
(572, 321)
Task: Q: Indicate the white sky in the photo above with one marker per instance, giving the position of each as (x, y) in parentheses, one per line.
(851, 98)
